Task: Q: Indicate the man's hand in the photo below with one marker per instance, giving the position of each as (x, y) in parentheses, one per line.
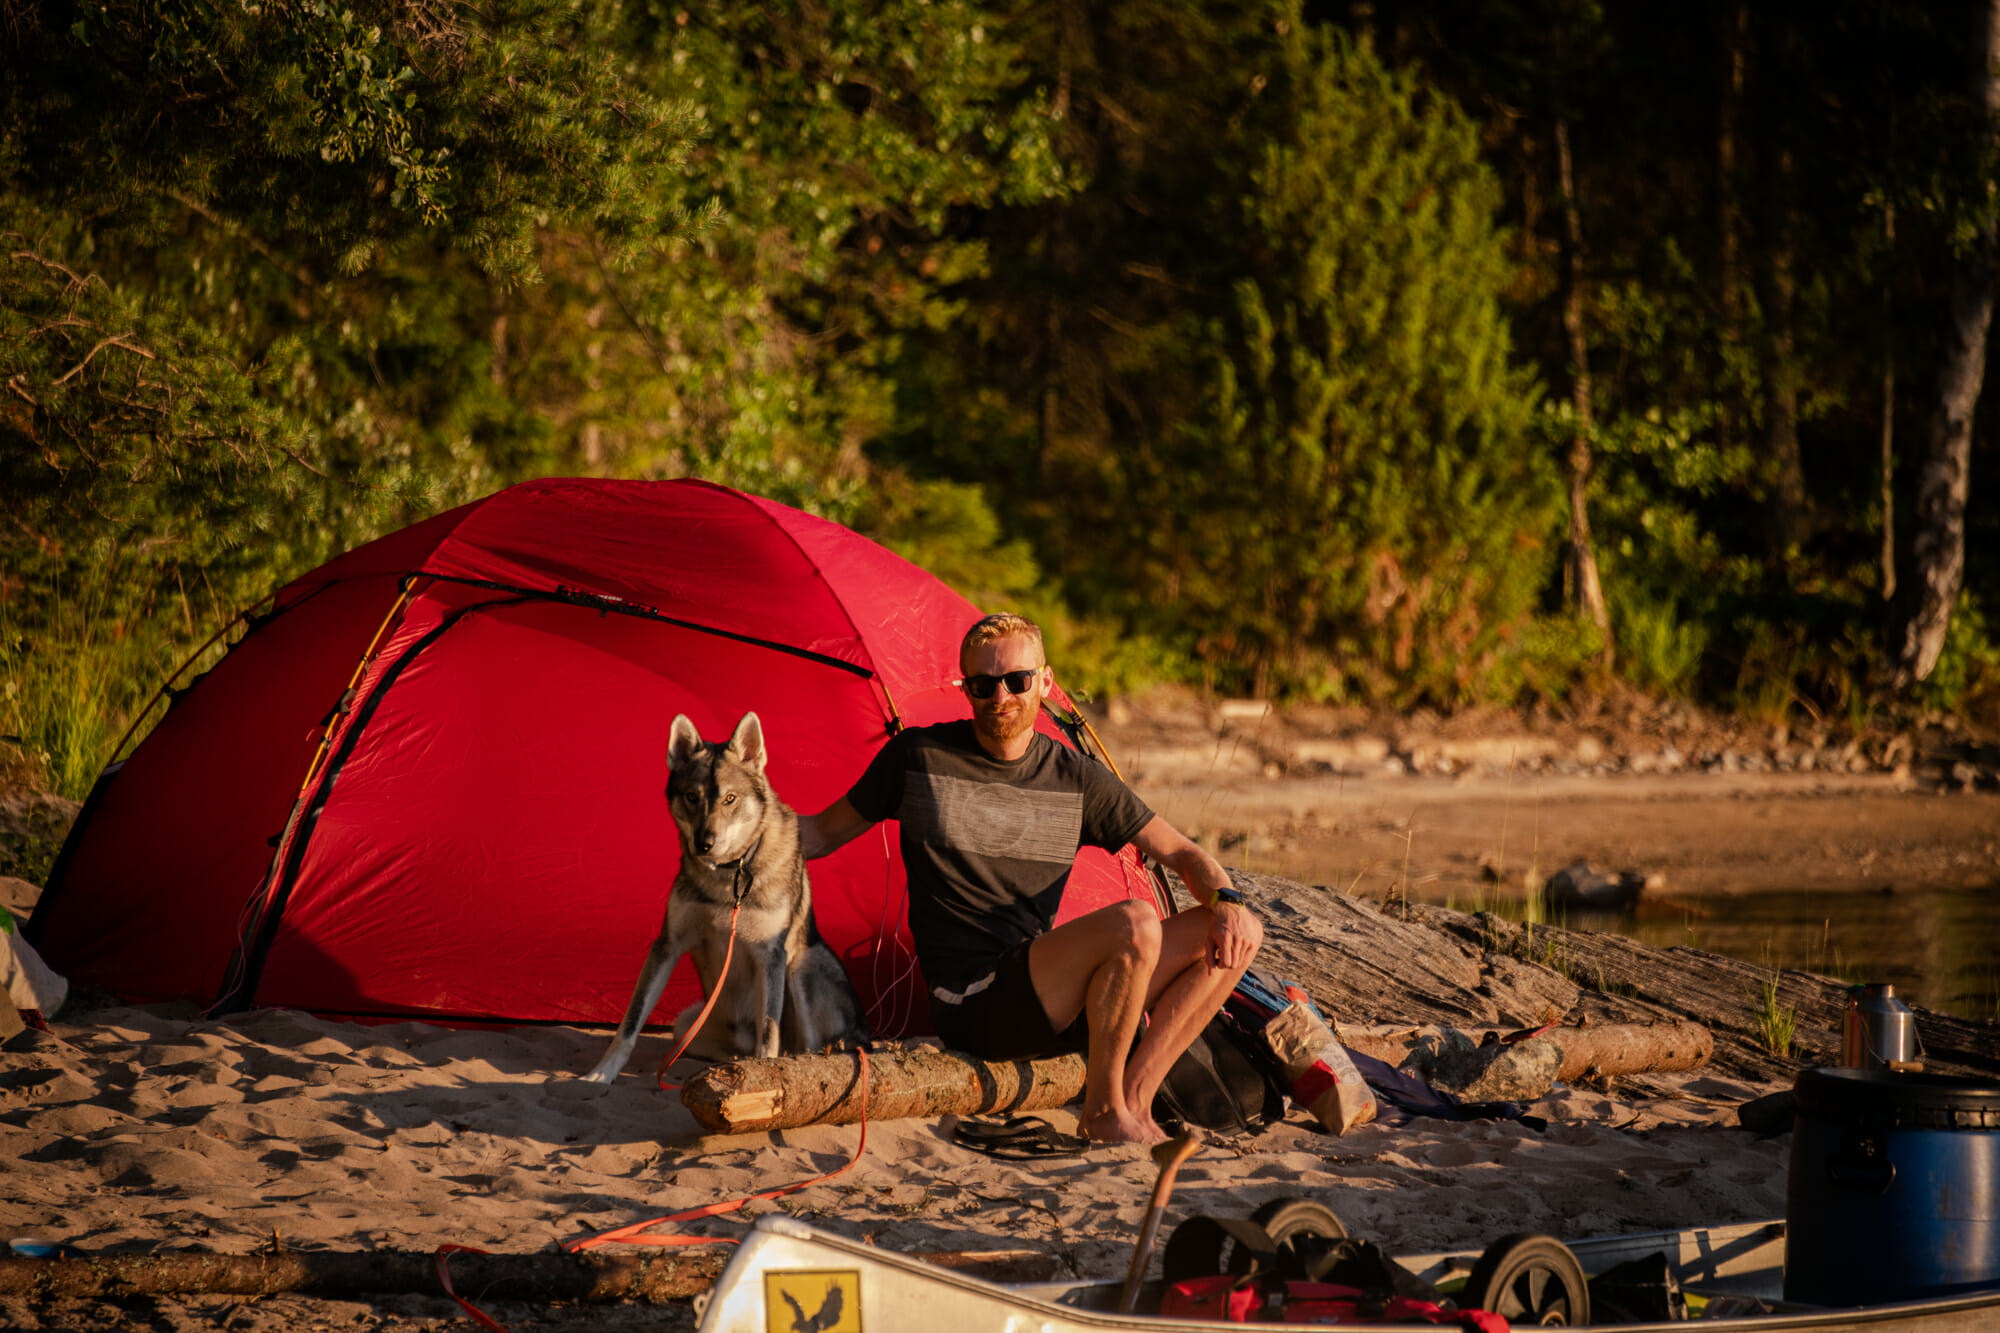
(1234, 931)
(1233, 937)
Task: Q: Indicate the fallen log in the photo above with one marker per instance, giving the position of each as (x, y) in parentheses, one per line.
(1604, 1048)
(751, 1096)
(527, 1277)
(1630, 983)
(755, 1096)
(590, 1277)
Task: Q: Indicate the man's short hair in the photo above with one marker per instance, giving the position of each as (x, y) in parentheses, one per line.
(1002, 625)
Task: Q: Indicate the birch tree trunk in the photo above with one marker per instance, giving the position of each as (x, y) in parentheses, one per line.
(1889, 412)
(1790, 512)
(1728, 224)
(1585, 588)
(1937, 541)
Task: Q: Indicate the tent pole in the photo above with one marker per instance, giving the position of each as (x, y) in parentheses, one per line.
(239, 970)
(347, 695)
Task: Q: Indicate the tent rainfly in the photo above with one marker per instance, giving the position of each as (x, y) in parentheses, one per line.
(427, 780)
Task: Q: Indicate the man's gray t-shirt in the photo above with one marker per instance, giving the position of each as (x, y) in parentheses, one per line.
(987, 844)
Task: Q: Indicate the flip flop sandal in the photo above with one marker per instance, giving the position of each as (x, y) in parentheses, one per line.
(1019, 1138)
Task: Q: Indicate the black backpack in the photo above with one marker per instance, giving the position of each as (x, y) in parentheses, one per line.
(1217, 1085)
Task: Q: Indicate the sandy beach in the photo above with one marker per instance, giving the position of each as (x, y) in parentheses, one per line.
(142, 1130)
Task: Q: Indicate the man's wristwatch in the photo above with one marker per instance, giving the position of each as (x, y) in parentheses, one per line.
(1225, 895)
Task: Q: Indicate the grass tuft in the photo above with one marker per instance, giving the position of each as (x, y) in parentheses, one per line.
(1773, 1023)
(1548, 948)
(69, 688)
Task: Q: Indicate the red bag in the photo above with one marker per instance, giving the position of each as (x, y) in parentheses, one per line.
(1328, 1303)
(1222, 1299)
(1235, 1300)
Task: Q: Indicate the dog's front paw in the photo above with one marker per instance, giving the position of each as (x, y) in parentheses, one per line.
(570, 1088)
(603, 1076)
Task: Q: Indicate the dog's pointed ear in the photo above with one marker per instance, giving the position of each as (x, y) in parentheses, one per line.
(683, 742)
(747, 745)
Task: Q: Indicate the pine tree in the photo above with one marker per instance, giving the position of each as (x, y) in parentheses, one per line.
(1359, 498)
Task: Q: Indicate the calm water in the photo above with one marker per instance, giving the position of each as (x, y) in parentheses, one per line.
(1939, 948)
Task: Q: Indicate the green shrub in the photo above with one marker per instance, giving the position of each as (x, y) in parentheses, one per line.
(1969, 662)
(1657, 648)
(950, 529)
(1544, 656)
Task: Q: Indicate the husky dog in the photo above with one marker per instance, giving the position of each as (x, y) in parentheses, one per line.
(739, 844)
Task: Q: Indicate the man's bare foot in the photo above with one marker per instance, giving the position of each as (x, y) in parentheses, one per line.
(1110, 1126)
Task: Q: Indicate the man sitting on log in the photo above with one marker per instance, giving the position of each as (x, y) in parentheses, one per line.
(993, 813)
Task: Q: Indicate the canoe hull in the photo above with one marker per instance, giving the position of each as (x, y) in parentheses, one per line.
(806, 1277)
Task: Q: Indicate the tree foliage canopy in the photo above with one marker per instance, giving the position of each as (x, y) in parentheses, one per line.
(1224, 335)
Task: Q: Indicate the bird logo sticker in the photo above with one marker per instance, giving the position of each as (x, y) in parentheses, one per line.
(815, 1301)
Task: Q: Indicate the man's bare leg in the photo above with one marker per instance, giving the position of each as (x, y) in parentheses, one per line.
(1103, 965)
(1185, 993)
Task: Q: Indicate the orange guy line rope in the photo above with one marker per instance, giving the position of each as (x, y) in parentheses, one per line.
(367, 656)
(630, 1235)
(441, 1260)
(714, 993)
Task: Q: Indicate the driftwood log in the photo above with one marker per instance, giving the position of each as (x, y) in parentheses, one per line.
(651, 1278)
(752, 1096)
(755, 1096)
(527, 1277)
(1605, 1048)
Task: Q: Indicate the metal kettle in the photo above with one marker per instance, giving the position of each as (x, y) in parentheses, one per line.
(1878, 1030)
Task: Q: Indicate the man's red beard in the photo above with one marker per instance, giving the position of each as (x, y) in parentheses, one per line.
(1003, 727)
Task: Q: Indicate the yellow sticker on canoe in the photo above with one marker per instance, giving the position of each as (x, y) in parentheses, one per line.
(813, 1301)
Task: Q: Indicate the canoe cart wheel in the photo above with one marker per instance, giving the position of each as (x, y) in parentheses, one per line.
(1282, 1218)
(1204, 1246)
(1531, 1280)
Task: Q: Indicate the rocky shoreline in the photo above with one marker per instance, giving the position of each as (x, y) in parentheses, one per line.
(1176, 736)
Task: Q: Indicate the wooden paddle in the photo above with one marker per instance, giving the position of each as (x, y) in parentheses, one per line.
(1169, 1155)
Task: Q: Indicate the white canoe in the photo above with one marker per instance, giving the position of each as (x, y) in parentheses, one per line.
(788, 1277)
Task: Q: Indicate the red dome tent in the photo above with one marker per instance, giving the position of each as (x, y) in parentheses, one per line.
(427, 784)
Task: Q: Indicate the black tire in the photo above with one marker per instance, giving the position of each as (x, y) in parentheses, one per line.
(1282, 1218)
(1194, 1249)
(1532, 1281)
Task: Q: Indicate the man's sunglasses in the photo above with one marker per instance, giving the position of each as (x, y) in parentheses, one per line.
(983, 687)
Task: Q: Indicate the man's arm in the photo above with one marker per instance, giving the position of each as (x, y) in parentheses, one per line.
(1234, 937)
(1202, 873)
(833, 828)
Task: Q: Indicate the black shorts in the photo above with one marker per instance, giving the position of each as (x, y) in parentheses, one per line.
(999, 1016)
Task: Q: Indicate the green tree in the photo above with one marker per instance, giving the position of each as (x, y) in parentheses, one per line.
(279, 276)
(1234, 387)
(1749, 307)
(250, 252)
(414, 252)
(1361, 496)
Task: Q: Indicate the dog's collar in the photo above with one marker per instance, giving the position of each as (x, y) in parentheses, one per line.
(739, 883)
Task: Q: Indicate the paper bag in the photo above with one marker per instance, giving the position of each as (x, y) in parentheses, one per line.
(1324, 1080)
